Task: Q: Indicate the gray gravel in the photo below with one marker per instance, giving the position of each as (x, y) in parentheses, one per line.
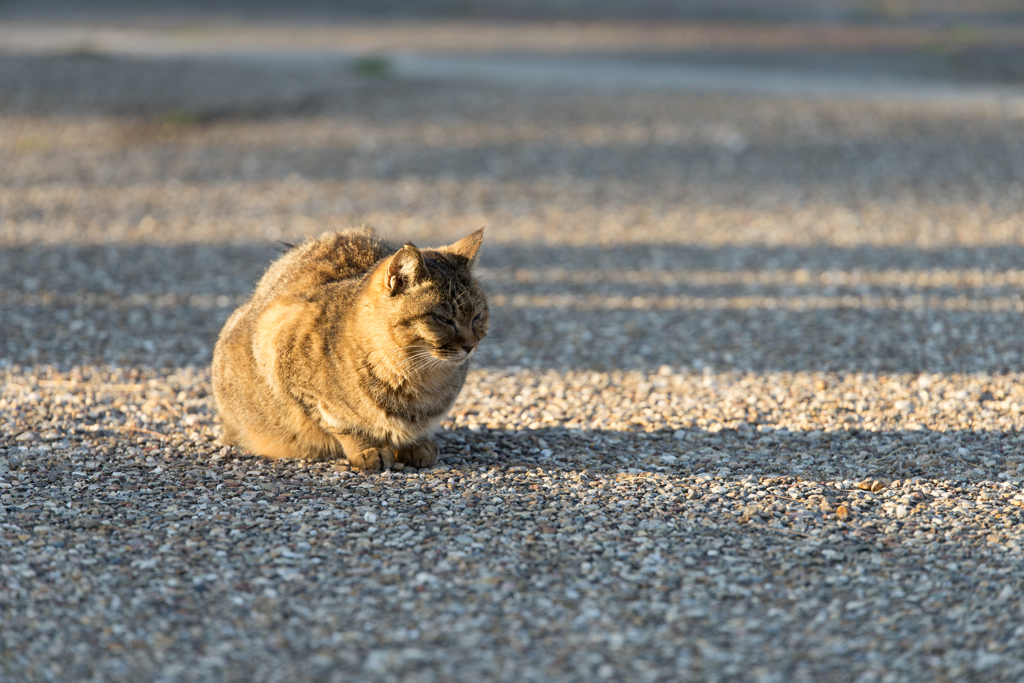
(751, 408)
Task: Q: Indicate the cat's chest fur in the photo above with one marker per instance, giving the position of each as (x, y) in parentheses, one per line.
(398, 414)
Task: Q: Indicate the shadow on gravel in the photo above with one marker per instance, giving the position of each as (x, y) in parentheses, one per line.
(833, 456)
(622, 307)
(964, 455)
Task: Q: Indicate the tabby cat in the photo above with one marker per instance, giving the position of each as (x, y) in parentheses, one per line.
(351, 346)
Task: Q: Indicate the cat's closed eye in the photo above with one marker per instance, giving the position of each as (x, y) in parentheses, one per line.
(444, 321)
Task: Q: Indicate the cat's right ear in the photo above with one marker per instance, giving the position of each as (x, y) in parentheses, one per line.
(467, 247)
(404, 269)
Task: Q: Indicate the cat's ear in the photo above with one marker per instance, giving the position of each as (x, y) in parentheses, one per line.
(467, 247)
(404, 269)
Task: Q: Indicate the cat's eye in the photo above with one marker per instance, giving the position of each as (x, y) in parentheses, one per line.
(443, 320)
(477, 318)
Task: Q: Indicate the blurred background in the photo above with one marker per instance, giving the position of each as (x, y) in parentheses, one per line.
(736, 185)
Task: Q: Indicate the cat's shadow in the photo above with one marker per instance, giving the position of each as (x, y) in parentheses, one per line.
(728, 454)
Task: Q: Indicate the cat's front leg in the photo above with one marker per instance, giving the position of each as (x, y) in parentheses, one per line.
(364, 454)
(420, 454)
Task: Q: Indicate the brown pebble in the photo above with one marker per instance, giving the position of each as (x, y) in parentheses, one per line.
(842, 513)
(749, 512)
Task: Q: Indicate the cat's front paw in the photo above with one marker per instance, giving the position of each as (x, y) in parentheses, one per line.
(373, 459)
(422, 454)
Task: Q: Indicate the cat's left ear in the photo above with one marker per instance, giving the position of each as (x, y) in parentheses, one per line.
(404, 269)
(467, 247)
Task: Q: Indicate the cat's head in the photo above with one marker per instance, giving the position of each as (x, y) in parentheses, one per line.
(435, 306)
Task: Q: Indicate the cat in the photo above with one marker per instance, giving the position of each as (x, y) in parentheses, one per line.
(351, 346)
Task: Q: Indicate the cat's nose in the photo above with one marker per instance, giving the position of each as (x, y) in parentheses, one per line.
(466, 342)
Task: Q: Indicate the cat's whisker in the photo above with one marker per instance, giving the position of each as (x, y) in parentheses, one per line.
(393, 360)
(421, 354)
(389, 352)
(392, 352)
(425, 364)
(480, 358)
(408, 366)
(401, 365)
(420, 362)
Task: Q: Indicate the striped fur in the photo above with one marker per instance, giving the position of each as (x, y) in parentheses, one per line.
(350, 346)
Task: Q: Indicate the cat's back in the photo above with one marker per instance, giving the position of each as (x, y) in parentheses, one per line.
(333, 257)
(291, 292)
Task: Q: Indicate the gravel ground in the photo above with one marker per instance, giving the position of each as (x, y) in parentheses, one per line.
(751, 408)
